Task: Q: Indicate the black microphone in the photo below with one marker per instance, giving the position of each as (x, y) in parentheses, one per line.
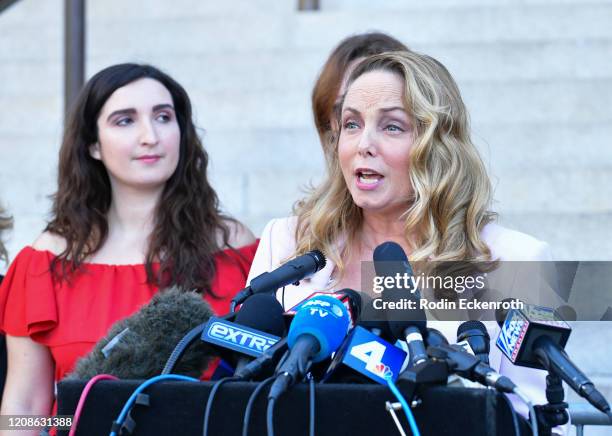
(435, 337)
(391, 261)
(264, 362)
(137, 347)
(470, 367)
(535, 336)
(288, 273)
(261, 312)
(476, 335)
(412, 328)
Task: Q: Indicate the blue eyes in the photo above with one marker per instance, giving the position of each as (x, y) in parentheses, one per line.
(350, 125)
(393, 128)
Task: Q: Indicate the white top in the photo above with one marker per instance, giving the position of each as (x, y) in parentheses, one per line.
(278, 245)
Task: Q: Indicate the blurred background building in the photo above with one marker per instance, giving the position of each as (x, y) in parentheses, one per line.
(536, 76)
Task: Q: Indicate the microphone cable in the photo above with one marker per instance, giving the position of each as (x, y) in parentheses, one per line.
(211, 397)
(83, 397)
(404, 403)
(311, 423)
(532, 415)
(515, 423)
(182, 345)
(130, 402)
(270, 416)
(251, 402)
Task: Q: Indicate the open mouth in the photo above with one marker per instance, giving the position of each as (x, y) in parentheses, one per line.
(368, 177)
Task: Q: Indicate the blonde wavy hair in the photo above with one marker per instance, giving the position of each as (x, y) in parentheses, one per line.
(6, 222)
(452, 192)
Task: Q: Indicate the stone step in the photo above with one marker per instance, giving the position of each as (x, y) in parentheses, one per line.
(544, 144)
(265, 30)
(470, 24)
(278, 70)
(403, 5)
(572, 236)
(565, 189)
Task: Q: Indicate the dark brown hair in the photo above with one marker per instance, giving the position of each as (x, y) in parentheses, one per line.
(187, 218)
(328, 84)
(6, 222)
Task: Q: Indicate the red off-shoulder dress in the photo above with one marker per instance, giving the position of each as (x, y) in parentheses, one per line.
(70, 318)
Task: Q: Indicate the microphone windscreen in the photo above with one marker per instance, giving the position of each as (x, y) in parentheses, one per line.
(471, 325)
(262, 312)
(390, 259)
(326, 319)
(435, 338)
(138, 347)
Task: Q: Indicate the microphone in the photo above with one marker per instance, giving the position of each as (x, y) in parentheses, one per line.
(410, 329)
(137, 347)
(291, 272)
(263, 362)
(535, 336)
(470, 367)
(351, 299)
(476, 335)
(317, 331)
(435, 337)
(391, 261)
(259, 324)
(261, 312)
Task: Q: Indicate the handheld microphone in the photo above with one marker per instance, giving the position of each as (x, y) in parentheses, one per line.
(137, 347)
(288, 273)
(259, 324)
(317, 331)
(391, 261)
(411, 329)
(476, 335)
(535, 336)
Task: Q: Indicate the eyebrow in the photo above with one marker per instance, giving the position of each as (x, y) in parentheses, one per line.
(132, 111)
(385, 109)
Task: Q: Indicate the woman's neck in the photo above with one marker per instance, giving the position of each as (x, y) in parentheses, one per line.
(131, 219)
(132, 212)
(377, 228)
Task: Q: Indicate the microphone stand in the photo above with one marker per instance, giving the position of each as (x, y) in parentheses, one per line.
(554, 412)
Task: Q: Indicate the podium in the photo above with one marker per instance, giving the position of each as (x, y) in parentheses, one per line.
(177, 408)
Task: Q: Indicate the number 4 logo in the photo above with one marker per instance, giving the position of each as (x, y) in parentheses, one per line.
(371, 353)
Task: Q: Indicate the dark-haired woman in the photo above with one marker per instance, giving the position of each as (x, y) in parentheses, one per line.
(133, 213)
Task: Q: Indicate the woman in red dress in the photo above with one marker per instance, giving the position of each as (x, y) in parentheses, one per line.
(133, 212)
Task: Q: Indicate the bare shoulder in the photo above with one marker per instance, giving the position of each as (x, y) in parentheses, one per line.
(240, 235)
(50, 242)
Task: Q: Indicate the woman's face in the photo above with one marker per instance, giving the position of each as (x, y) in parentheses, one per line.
(138, 135)
(375, 141)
